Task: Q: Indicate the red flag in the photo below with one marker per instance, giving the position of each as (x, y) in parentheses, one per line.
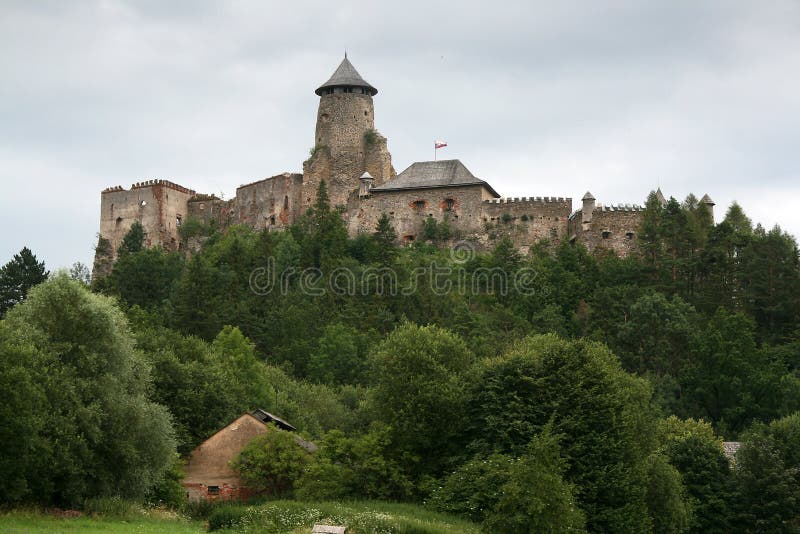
(439, 144)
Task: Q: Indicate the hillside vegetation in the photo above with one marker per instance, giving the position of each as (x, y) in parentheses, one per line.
(555, 391)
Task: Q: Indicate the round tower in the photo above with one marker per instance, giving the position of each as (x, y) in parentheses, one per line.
(345, 142)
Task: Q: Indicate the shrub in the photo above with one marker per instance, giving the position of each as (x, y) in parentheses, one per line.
(225, 516)
(474, 488)
(272, 462)
(112, 507)
(370, 137)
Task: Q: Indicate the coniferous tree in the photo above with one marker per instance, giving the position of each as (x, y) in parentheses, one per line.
(18, 276)
(133, 241)
(385, 238)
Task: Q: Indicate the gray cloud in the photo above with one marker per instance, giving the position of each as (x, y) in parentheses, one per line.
(538, 98)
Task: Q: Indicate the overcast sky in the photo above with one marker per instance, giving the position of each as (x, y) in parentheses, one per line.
(539, 99)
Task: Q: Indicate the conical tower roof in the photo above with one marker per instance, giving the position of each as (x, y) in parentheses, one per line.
(346, 75)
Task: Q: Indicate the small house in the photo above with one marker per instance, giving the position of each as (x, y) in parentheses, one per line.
(209, 475)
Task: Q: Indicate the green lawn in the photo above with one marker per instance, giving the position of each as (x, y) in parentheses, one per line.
(29, 522)
(361, 517)
(274, 517)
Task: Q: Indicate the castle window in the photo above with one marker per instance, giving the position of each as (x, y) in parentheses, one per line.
(606, 234)
(449, 204)
(178, 221)
(286, 202)
(143, 203)
(213, 490)
(628, 235)
(272, 219)
(419, 204)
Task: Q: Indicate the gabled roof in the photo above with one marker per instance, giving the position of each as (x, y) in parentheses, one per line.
(346, 75)
(266, 417)
(433, 174)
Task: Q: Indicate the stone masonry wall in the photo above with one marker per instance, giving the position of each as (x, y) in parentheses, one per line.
(408, 209)
(342, 154)
(611, 228)
(526, 220)
(158, 205)
(272, 203)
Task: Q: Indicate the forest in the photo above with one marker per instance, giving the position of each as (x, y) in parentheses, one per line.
(552, 391)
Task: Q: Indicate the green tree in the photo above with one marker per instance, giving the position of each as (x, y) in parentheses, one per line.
(666, 503)
(272, 462)
(536, 498)
(22, 420)
(104, 436)
(385, 238)
(322, 232)
(133, 241)
(420, 377)
(340, 357)
(475, 487)
(145, 278)
(355, 467)
(695, 451)
(768, 489)
(17, 277)
(601, 412)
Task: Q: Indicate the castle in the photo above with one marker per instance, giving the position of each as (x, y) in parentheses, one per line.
(354, 161)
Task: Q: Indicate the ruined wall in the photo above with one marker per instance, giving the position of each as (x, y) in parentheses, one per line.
(525, 220)
(209, 463)
(342, 152)
(159, 205)
(612, 228)
(272, 203)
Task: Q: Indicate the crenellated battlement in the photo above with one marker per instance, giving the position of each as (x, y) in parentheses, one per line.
(150, 183)
(530, 200)
(165, 183)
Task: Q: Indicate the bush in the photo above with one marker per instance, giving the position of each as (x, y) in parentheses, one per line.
(226, 516)
(473, 489)
(272, 462)
(112, 507)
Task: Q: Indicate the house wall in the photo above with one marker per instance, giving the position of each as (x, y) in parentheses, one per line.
(209, 463)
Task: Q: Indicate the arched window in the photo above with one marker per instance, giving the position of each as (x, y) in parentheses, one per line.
(286, 202)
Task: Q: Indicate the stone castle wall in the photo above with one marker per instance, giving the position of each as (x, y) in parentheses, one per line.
(408, 210)
(612, 228)
(526, 220)
(272, 203)
(159, 205)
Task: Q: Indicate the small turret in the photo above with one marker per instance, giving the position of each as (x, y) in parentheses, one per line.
(709, 204)
(661, 198)
(366, 184)
(588, 207)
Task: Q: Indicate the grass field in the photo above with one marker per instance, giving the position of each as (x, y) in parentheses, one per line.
(25, 522)
(276, 517)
